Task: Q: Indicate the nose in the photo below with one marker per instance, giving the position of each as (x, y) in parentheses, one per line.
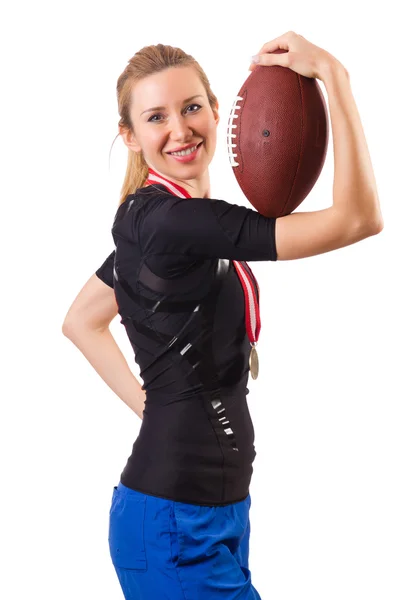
(179, 129)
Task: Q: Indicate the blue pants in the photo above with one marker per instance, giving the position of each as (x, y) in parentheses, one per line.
(167, 550)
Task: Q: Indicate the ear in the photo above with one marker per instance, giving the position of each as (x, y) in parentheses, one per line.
(129, 139)
(216, 112)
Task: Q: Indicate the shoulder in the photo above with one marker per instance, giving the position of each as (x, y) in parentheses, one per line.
(142, 214)
(137, 205)
(158, 205)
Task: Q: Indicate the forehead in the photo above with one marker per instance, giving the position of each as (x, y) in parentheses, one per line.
(171, 86)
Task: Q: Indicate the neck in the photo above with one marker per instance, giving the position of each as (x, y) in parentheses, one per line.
(196, 188)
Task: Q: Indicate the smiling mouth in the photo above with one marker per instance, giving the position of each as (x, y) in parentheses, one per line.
(185, 152)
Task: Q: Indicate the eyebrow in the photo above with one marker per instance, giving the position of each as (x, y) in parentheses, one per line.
(163, 107)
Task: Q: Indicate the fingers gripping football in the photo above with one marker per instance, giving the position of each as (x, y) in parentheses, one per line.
(294, 52)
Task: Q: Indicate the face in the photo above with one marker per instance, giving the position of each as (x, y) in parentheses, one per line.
(169, 111)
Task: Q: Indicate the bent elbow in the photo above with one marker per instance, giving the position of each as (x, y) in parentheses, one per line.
(67, 328)
(373, 227)
(71, 326)
(378, 225)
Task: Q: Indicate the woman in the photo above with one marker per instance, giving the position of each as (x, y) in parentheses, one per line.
(179, 519)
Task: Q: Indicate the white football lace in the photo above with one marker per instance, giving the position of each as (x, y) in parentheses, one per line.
(231, 135)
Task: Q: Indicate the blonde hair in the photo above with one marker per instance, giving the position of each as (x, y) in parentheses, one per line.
(148, 60)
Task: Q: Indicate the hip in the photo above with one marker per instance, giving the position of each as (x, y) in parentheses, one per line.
(164, 548)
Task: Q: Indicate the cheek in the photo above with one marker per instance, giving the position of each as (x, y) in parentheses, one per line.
(206, 129)
(212, 132)
(153, 138)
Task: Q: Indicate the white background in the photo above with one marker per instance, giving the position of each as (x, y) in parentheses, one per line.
(324, 491)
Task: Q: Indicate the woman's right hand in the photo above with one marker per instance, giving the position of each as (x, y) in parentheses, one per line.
(302, 56)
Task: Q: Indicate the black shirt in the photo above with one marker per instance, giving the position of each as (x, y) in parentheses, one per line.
(182, 305)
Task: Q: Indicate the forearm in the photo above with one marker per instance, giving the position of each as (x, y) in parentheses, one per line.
(102, 352)
(354, 190)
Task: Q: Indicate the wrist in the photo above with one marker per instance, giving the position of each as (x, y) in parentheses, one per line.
(331, 68)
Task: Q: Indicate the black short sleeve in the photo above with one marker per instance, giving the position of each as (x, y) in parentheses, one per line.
(105, 271)
(208, 228)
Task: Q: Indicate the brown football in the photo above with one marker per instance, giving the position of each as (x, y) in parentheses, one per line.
(277, 138)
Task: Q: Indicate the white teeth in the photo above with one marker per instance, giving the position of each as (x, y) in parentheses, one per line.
(184, 152)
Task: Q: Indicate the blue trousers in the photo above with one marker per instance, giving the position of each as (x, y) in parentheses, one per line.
(167, 550)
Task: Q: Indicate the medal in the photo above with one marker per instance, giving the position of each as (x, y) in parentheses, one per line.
(247, 279)
(252, 316)
(254, 363)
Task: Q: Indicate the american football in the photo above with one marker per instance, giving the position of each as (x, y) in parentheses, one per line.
(277, 138)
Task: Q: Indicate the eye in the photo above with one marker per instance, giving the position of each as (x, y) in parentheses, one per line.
(153, 120)
(152, 117)
(194, 105)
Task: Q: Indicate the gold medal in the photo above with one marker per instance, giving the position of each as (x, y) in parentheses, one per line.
(254, 363)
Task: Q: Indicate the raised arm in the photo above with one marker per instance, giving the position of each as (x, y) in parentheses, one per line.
(355, 213)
